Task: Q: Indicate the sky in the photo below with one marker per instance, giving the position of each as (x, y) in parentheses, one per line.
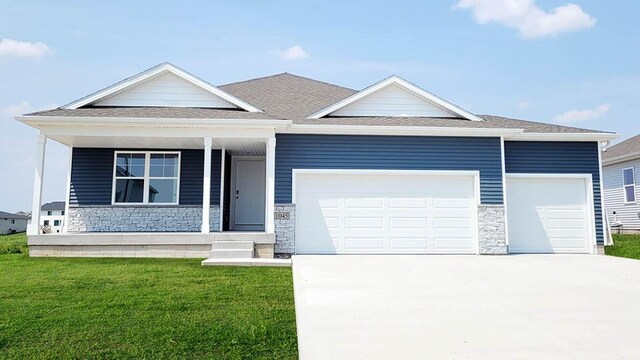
(575, 64)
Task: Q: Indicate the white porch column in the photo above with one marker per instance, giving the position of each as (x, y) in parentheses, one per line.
(271, 185)
(222, 166)
(34, 227)
(206, 186)
(65, 222)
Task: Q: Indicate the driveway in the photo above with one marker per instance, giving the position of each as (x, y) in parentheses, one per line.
(467, 307)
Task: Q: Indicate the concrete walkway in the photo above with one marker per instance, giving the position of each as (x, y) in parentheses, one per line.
(467, 307)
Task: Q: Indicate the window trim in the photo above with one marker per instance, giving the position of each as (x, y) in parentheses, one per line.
(145, 178)
(633, 184)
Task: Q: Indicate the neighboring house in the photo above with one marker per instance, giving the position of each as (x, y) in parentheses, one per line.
(621, 171)
(166, 164)
(52, 216)
(12, 223)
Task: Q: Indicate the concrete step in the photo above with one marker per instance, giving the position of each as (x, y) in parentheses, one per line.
(247, 262)
(256, 237)
(231, 254)
(230, 244)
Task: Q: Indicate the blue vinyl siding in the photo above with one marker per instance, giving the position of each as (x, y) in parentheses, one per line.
(389, 153)
(92, 176)
(557, 157)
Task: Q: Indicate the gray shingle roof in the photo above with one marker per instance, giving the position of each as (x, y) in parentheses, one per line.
(55, 205)
(626, 147)
(291, 97)
(8, 215)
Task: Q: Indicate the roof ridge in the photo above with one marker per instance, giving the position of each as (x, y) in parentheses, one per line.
(290, 74)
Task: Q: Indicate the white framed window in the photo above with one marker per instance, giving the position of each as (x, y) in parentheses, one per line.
(146, 178)
(56, 222)
(13, 221)
(629, 185)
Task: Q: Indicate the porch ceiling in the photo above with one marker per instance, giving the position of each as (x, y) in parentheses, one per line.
(237, 146)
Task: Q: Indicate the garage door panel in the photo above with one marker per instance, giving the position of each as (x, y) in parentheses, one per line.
(548, 215)
(385, 214)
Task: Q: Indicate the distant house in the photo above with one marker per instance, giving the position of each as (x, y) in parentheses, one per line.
(12, 223)
(52, 216)
(621, 169)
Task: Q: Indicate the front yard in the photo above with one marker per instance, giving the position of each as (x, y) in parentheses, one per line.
(625, 245)
(141, 308)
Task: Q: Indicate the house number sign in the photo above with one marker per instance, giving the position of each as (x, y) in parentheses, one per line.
(282, 216)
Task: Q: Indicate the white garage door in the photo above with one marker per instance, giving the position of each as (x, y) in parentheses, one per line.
(391, 213)
(548, 215)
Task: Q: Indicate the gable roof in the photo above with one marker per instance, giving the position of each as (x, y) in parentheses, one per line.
(8, 215)
(396, 81)
(55, 205)
(624, 151)
(293, 98)
(154, 72)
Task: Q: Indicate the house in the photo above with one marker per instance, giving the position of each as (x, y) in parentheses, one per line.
(621, 168)
(52, 216)
(12, 223)
(166, 164)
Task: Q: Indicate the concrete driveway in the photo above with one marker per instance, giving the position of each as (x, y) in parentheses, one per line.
(467, 307)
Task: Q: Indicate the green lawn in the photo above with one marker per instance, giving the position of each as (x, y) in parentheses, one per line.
(141, 308)
(625, 245)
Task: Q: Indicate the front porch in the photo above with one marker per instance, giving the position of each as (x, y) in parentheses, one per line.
(214, 192)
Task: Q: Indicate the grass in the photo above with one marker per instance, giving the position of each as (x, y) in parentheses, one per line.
(625, 245)
(141, 308)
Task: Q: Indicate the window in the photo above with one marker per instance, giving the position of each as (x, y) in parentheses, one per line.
(46, 223)
(56, 222)
(146, 177)
(49, 212)
(13, 221)
(62, 212)
(629, 185)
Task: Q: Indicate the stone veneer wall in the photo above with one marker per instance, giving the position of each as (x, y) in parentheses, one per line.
(140, 219)
(491, 230)
(285, 229)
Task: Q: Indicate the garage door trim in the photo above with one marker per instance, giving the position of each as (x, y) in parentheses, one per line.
(588, 179)
(474, 174)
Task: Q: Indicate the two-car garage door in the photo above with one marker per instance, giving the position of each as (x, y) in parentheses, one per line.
(407, 212)
(425, 212)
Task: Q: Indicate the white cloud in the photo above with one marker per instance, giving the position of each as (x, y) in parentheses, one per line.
(583, 115)
(19, 109)
(14, 48)
(523, 105)
(293, 53)
(530, 20)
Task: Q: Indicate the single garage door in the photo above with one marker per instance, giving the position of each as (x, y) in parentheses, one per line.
(549, 215)
(347, 212)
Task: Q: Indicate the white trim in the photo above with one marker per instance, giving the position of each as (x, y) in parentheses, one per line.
(34, 227)
(206, 186)
(607, 238)
(105, 121)
(155, 71)
(504, 194)
(588, 178)
(624, 190)
(295, 173)
(68, 197)
(403, 83)
(399, 130)
(595, 136)
(222, 171)
(146, 178)
(270, 168)
(232, 203)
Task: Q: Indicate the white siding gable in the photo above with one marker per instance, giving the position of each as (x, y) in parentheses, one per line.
(168, 90)
(394, 100)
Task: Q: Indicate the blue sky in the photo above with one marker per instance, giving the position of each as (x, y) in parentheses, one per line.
(577, 65)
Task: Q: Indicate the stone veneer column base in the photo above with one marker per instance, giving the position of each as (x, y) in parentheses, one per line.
(179, 218)
(285, 229)
(492, 236)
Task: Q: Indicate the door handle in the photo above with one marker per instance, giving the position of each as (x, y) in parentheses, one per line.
(237, 194)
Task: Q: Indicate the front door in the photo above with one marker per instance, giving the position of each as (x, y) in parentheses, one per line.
(248, 194)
